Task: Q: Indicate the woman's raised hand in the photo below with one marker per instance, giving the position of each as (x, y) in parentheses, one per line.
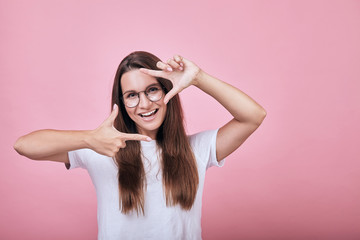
(107, 140)
(180, 71)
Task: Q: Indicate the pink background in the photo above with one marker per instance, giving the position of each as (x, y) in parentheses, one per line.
(297, 177)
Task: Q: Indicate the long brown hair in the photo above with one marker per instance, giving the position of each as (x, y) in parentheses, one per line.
(180, 176)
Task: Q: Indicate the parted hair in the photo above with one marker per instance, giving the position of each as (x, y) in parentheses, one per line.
(179, 170)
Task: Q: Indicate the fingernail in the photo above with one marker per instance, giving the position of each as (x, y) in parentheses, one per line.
(181, 64)
(170, 69)
(180, 68)
(148, 139)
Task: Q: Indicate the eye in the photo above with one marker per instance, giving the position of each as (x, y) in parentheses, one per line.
(153, 89)
(131, 95)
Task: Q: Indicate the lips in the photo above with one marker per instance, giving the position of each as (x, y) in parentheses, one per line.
(148, 114)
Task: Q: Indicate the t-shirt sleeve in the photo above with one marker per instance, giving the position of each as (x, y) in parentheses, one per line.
(204, 147)
(77, 159)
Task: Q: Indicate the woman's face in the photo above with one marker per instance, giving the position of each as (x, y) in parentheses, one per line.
(147, 115)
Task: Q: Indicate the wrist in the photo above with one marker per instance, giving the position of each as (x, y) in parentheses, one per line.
(199, 78)
(87, 137)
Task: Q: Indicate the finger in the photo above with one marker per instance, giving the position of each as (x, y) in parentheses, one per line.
(173, 64)
(113, 114)
(179, 60)
(135, 137)
(154, 73)
(171, 94)
(164, 66)
(120, 144)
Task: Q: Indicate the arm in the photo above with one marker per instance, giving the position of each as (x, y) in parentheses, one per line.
(54, 145)
(248, 115)
(50, 144)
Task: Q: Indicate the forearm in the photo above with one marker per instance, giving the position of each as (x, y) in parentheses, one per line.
(240, 105)
(45, 143)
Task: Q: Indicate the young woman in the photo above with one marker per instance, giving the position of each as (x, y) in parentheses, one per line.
(148, 174)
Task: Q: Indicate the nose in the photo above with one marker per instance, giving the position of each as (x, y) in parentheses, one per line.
(144, 102)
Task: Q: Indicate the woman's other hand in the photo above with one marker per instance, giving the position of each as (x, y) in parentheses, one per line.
(107, 140)
(180, 71)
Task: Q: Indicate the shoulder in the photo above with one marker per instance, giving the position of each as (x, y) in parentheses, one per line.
(84, 153)
(203, 143)
(204, 147)
(204, 137)
(85, 158)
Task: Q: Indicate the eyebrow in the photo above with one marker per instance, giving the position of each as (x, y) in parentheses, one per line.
(154, 84)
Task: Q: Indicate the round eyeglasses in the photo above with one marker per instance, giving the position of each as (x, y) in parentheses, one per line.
(154, 93)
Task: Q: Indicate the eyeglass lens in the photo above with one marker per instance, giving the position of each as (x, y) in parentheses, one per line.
(153, 93)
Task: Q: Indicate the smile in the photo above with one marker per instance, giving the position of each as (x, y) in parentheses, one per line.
(148, 114)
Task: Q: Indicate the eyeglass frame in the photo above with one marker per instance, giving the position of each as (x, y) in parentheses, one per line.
(138, 94)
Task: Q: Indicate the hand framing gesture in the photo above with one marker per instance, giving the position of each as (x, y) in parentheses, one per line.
(107, 140)
(180, 71)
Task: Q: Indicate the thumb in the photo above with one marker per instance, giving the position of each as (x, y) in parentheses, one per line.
(170, 95)
(113, 115)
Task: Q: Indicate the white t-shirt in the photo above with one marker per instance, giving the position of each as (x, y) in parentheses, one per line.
(159, 221)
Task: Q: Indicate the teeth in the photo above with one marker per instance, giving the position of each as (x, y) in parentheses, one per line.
(148, 114)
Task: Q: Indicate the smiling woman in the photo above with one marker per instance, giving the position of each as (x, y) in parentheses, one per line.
(148, 174)
(158, 121)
